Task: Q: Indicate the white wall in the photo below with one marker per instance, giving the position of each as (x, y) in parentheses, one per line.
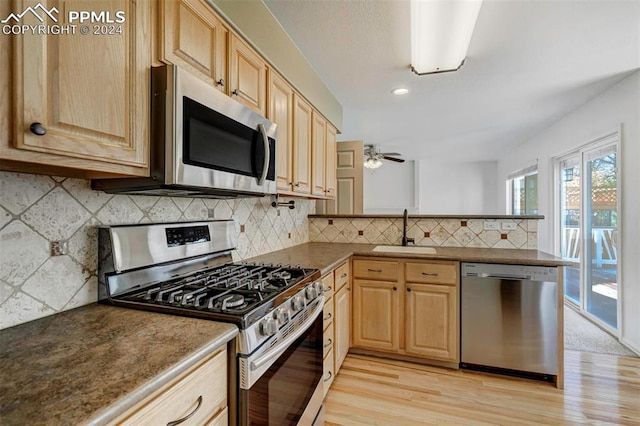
(390, 188)
(618, 105)
(457, 188)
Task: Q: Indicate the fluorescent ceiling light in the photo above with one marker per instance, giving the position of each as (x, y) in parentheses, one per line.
(441, 31)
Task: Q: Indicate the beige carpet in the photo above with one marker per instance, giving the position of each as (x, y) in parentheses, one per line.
(580, 334)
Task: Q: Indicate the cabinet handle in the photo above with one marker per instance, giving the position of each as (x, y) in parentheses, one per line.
(177, 422)
(395, 288)
(37, 129)
(348, 288)
(408, 289)
(374, 270)
(328, 289)
(297, 184)
(328, 344)
(430, 275)
(328, 317)
(328, 378)
(220, 82)
(235, 92)
(343, 276)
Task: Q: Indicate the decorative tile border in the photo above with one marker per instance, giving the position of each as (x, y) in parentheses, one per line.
(36, 210)
(443, 232)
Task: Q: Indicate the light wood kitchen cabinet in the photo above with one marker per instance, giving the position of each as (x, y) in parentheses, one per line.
(201, 392)
(247, 76)
(331, 159)
(328, 335)
(376, 315)
(193, 37)
(81, 102)
(302, 119)
(407, 307)
(342, 324)
(318, 150)
(432, 321)
(280, 111)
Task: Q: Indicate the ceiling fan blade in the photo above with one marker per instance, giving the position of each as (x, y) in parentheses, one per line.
(397, 160)
(390, 153)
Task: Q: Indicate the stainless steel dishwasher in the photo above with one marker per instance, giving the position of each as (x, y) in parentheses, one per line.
(509, 319)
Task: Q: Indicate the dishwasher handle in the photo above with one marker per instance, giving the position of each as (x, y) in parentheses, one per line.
(504, 277)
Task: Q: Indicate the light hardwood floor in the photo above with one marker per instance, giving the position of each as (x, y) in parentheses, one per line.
(599, 390)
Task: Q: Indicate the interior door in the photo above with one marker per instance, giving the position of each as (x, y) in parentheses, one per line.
(349, 181)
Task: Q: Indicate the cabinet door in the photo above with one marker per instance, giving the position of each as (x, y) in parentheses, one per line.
(89, 92)
(318, 145)
(193, 37)
(281, 112)
(376, 315)
(247, 76)
(342, 324)
(328, 373)
(330, 162)
(301, 145)
(431, 321)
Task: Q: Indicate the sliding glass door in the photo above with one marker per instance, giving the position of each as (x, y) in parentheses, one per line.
(588, 229)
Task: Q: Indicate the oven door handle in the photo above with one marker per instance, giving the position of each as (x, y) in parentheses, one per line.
(267, 154)
(279, 348)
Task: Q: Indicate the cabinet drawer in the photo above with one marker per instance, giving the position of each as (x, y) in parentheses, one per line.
(435, 273)
(329, 287)
(342, 275)
(327, 313)
(376, 270)
(202, 392)
(327, 340)
(328, 373)
(221, 419)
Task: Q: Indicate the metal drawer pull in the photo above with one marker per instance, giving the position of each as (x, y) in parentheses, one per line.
(374, 270)
(328, 378)
(395, 288)
(328, 289)
(184, 419)
(328, 317)
(435, 274)
(328, 344)
(343, 276)
(408, 289)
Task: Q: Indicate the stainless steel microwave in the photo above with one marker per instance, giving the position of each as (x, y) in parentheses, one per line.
(203, 143)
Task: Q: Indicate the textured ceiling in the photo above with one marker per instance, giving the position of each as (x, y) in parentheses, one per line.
(530, 63)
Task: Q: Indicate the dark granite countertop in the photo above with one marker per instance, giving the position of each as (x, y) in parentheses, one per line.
(326, 256)
(90, 364)
(428, 216)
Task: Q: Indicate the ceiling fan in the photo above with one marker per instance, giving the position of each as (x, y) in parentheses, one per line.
(373, 157)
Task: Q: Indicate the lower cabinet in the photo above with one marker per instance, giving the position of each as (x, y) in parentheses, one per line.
(407, 307)
(198, 397)
(337, 321)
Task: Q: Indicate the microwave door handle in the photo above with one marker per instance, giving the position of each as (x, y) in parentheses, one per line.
(282, 346)
(267, 154)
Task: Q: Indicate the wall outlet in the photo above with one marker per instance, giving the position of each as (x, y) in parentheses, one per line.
(508, 226)
(491, 226)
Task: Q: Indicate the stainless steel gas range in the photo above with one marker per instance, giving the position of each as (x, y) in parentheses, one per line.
(187, 269)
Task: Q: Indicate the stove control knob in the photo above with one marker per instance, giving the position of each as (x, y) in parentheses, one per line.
(297, 303)
(268, 327)
(281, 316)
(319, 287)
(311, 292)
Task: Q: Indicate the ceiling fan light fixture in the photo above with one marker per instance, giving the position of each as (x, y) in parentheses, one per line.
(372, 163)
(441, 31)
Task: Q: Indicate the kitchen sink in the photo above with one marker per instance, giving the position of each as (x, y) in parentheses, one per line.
(406, 249)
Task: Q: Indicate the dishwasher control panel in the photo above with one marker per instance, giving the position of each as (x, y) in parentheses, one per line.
(516, 272)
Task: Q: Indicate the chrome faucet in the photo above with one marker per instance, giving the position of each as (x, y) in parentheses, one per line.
(405, 240)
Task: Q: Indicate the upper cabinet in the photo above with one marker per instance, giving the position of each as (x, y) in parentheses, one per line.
(318, 143)
(193, 37)
(331, 157)
(81, 101)
(302, 128)
(247, 76)
(280, 111)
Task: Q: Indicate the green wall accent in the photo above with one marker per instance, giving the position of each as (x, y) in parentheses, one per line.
(254, 21)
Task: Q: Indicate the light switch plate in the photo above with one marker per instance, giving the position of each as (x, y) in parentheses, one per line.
(491, 226)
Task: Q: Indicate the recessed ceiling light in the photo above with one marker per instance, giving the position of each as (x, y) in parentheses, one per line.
(400, 91)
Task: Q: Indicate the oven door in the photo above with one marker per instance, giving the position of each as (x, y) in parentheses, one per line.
(288, 390)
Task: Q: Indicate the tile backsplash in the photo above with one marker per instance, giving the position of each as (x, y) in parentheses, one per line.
(36, 210)
(432, 231)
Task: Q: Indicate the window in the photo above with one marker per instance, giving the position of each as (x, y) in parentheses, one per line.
(523, 189)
